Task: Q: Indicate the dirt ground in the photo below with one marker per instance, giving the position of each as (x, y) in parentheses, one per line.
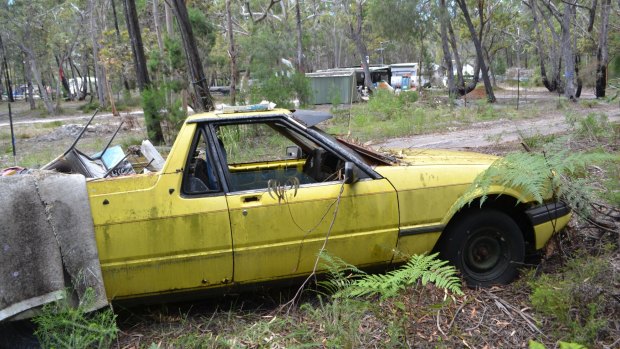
(496, 132)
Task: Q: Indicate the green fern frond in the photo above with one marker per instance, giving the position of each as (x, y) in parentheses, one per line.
(341, 275)
(423, 268)
(556, 173)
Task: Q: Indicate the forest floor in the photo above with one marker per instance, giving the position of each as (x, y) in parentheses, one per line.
(489, 318)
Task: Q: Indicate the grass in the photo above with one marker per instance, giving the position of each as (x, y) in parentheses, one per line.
(52, 124)
(576, 298)
(537, 141)
(388, 116)
(60, 325)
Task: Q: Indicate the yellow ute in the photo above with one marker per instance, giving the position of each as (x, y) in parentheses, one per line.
(253, 196)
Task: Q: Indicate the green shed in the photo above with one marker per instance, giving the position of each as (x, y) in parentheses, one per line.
(325, 84)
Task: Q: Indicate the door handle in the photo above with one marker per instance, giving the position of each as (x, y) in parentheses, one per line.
(250, 199)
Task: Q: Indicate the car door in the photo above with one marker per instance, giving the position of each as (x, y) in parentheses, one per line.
(168, 232)
(286, 205)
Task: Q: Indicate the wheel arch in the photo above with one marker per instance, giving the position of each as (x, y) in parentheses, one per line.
(505, 203)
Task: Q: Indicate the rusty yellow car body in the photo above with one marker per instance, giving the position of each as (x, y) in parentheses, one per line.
(235, 221)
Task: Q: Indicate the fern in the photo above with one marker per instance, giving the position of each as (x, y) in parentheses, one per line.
(557, 173)
(341, 275)
(424, 268)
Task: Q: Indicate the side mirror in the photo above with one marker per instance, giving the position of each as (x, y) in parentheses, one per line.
(349, 173)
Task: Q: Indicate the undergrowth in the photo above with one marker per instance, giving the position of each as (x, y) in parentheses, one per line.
(348, 311)
(578, 299)
(422, 269)
(60, 325)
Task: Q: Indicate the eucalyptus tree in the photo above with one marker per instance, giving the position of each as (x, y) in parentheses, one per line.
(453, 51)
(415, 24)
(356, 34)
(137, 47)
(66, 33)
(7, 76)
(96, 16)
(153, 124)
(27, 32)
(204, 101)
(476, 38)
(547, 46)
(563, 18)
(602, 52)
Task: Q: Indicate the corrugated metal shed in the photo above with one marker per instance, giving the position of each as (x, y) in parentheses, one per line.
(326, 83)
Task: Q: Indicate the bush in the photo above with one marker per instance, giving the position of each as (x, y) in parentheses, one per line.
(282, 90)
(385, 104)
(153, 101)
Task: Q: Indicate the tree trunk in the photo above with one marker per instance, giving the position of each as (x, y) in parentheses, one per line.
(602, 54)
(479, 53)
(9, 87)
(133, 27)
(75, 81)
(567, 52)
(447, 56)
(460, 82)
(153, 124)
(86, 85)
(300, 52)
(578, 79)
(356, 36)
(420, 59)
(99, 73)
(232, 53)
(551, 87)
(461, 88)
(36, 74)
(205, 102)
(29, 88)
(63, 78)
(90, 85)
(555, 56)
(169, 24)
(157, 23)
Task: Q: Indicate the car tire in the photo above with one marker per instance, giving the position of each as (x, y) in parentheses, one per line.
(486, 246)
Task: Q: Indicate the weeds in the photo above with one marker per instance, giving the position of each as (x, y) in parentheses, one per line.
(577, 298)
(62, 326)
(52, 124)
(89, 107)
(537, 141)
(485, 110)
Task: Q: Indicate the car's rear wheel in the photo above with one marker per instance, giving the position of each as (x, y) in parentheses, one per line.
(486, 246)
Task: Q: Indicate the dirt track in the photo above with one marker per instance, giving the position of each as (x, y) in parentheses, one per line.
(488, 133)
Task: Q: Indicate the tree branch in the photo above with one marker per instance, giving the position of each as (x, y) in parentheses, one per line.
(265, 12)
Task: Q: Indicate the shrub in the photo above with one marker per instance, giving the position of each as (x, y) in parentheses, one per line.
(153, 101)
(282, 90)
